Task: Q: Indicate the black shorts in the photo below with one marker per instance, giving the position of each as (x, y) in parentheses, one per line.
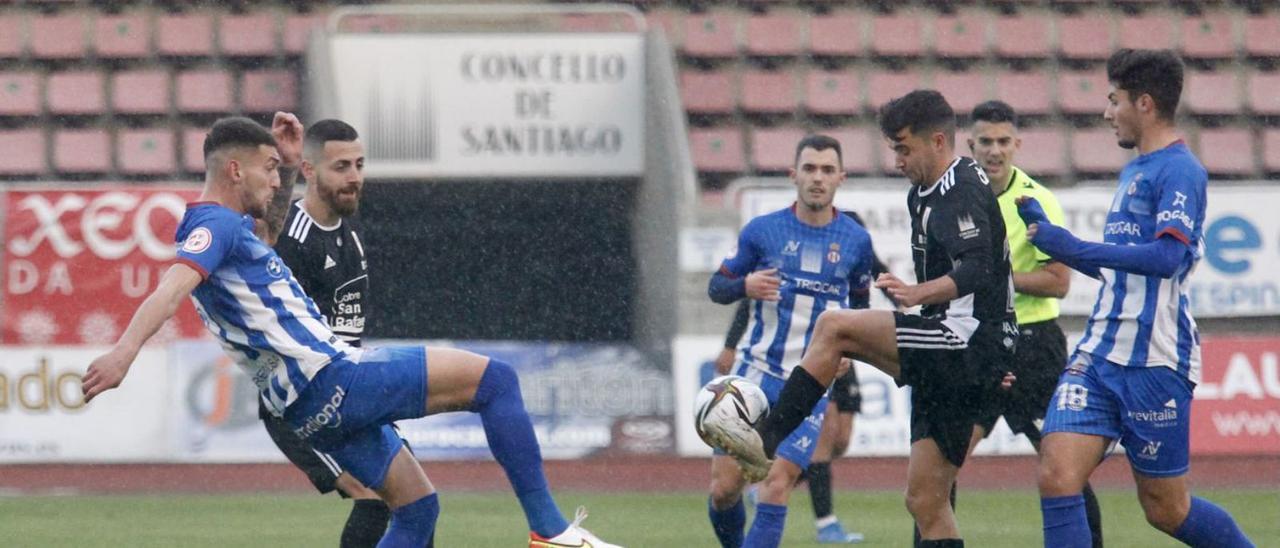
(1037, 362)
(949, 377)
(845, 392)
(320, 468)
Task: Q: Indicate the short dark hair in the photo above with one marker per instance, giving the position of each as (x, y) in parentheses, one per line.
(922, 109)
(819, 143)
(1154, 72)
(995, 112)
(329, 130)
(235, 132)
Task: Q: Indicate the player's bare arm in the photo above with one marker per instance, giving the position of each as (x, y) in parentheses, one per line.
(1052, 279)
(109, 369)
(288, 133)
(939, 290)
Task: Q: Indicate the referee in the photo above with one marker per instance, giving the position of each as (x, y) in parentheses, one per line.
(1038, 283)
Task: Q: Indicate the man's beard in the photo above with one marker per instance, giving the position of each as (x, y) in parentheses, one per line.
(334, 200)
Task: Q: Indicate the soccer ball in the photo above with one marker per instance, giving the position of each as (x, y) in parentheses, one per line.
(728, 406)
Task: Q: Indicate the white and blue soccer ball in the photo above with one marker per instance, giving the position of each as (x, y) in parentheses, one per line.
(728, 406)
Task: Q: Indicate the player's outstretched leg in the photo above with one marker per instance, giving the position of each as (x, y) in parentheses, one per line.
(1169, 507)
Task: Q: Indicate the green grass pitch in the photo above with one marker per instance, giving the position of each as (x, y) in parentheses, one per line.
(987, 518)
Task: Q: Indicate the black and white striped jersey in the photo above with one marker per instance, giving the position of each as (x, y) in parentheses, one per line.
(329, 263)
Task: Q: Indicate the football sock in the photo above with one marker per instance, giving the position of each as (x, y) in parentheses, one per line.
(412, 525)
(728, 523)
(795, 402)
(511, 440)
(366, 524)
(1065, 524)
(766, 530)
(820, 488)
(1094, 514)
(942, 543)
(1207, 524)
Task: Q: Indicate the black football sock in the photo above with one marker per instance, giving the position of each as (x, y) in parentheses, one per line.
(820, 488)
(1094, 514)
(799, 395)
(366, 524)
(943, 543)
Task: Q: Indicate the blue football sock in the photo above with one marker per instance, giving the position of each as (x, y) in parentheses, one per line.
(514, 445)
(1065, 522)
(766, 530)
(728, 523)
(413, 524)
(1207, 524)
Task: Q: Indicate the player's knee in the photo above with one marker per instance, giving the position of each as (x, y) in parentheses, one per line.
(1053, 480)
(499, 380)
(924, 505)
(1164, 512)
(725, 494)
(414, 524)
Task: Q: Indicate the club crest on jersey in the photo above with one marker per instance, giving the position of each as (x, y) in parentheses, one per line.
(1133, 184)
(968, 229)
(274, 267)
(198, 240)
(833, 255)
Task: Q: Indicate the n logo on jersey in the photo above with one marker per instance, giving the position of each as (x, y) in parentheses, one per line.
(967, 227)
(791, 249)
(198, 240)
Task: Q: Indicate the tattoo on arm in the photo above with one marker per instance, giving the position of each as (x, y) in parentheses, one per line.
(271, 225)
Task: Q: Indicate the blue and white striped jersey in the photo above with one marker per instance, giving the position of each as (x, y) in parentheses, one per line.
(1145, 321)
(251, 302)
(821, 268)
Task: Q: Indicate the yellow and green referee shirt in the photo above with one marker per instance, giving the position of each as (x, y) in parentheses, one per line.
(1023, 256)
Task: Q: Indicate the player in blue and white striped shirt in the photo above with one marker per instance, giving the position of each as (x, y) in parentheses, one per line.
(1132, 375)
(340, 399)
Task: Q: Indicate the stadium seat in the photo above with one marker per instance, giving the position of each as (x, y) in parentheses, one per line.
(145, 151)
(206, 90)
(125, 36)
(1043, 152)
(833, 93)
(1212, 93)
(1262, 35)
(900, 34)
(717, 150)
(836, 35)
(269, 90)
(708, 92)
(1094, 151)
(184, 35)
(193, 149)
(858, 145)
(774, 149)
(1029, 93)
(964, 90)
(78, 92)
(884, 86)
(1083, 92)
(1226, 151)
(1264, 93)
(11, 45)
(711, 35)
(1085, 37)
(1271, 150)
(961, 36)
(145, 91)
(769, 92)
(59, 36)
(1148, 31)
(82, 151)
(1209, 36)
(20, 94)
(1022, 37)
(252, 35)
(776, 34)
(24, 152)
(297, 30)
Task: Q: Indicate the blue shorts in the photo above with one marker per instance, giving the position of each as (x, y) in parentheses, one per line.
(1147, 408)
(798, 447)
(347, 409)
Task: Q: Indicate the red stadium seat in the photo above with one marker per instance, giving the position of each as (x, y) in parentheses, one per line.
(20, 94)
(252, 35)
(774, 149)
(1027, 92)
(1022, 37)
(1149, 31)
(145, 151)
(193, 149)
(1264, 93)
(58, 36)
(717, 150)
(207, 90)
(713, 34)
(82, 151)
(145, 91)
(833, 93)
(1083, 92)
(884, 86)
(769, 92)
(962, 35)
(776, 34)
(836, 35)
(1262, 35)
(126, 36)
(1085, 37)
(708, 92)
(76, 92)
(297, 30)
(858, 146)
(964, 90)
(11, 44)
(24, 152)
(1043, 152)
(1212, 92)
(184, 35)
(1209, 36)
(269, 90)
(1095, 151)
(1271, 150)
(1226, 151)
(900, 34)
